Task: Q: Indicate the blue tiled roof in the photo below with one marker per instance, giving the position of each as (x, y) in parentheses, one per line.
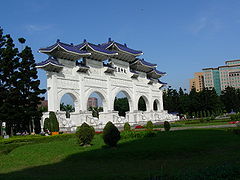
(51, 60)
(126, 49)
(147, 63)
(158, 72)
(67, 47)
(121, 47)
(133, 71)
(161, 82)
(98, 48)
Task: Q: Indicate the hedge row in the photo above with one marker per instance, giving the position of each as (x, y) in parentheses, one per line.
(35, 138)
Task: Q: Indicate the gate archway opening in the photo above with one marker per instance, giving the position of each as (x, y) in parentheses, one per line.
(96, 103)
(156, 105)
(68, 103)
(142, 104)
(121, 103)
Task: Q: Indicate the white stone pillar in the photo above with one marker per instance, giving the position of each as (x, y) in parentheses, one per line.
(161, 100)
(52, 92)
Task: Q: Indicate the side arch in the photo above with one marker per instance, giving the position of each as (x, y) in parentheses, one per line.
(156, 105)
(146, 99)
(74, 95)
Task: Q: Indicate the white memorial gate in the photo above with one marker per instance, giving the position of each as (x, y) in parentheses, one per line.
(105, 69)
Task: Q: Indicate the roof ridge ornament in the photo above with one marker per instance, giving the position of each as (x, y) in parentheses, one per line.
(109, 39)
(84, 40)
(58, 40)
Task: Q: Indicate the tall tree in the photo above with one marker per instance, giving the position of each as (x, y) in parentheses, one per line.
(19, 87)
(28, 87)
(231, 99)
(9, 62)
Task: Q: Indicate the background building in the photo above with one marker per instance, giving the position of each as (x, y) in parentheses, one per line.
(92, 102)
(197, 82)
(223, 76)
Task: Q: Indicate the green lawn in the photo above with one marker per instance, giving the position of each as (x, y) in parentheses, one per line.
(196, 122)
(186, 154)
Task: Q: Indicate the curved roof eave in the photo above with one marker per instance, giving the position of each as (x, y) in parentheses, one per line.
(49, 63)
(61, 45)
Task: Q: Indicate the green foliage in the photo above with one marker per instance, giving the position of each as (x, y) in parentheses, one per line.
(66, 107)
(95, 111)
(35, 138)
(111, 134)
(235, 117)
(47, 125)
(231, 99)
(142, 104)
(121, 105)
(194, 102)
(85, 134)
(127, 127)
(54, 125)
(137, 134)
(166, 126)
(149, 125)
(19, 91)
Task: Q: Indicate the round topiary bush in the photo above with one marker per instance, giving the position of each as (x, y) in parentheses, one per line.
(149, 125)
(166, 126)
(85, 134)
(111, 134)
(127, 127)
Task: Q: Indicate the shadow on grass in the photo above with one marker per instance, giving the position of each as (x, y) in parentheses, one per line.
(160, 157)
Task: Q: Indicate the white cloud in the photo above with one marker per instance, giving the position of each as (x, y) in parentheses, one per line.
(206, 24)
(200, 25)
(34, 27)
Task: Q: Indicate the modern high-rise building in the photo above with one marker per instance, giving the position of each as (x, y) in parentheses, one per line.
(197, 82)
(223, 76)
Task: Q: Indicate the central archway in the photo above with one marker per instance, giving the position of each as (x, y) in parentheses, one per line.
(121, 103)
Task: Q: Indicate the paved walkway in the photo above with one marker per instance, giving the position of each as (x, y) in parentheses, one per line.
(201, 127)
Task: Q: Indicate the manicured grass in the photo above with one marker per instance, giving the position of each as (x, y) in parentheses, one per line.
(186, 154)
(196, 122)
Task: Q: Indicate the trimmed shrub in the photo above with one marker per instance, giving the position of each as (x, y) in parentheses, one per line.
(47, 125)
(149, 125)
(85, 134)
(111, 134)
(54, 125)
(166, 126)
(127, 127)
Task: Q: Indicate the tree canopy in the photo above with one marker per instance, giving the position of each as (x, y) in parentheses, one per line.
(19, 86)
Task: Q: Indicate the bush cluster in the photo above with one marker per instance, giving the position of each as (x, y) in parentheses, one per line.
(35, 138)
(51, 123)
(137, 134)
(166, 126)
(149, 125)
(111, 134)
(127, 127)
(235, 117)
(85, 134)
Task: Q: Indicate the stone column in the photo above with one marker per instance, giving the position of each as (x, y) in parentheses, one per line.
(52, 92)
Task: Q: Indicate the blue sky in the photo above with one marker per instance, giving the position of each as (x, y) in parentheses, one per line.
(182, 37)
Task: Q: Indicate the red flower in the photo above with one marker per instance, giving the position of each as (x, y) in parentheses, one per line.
(98, 132)
(139, 127)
